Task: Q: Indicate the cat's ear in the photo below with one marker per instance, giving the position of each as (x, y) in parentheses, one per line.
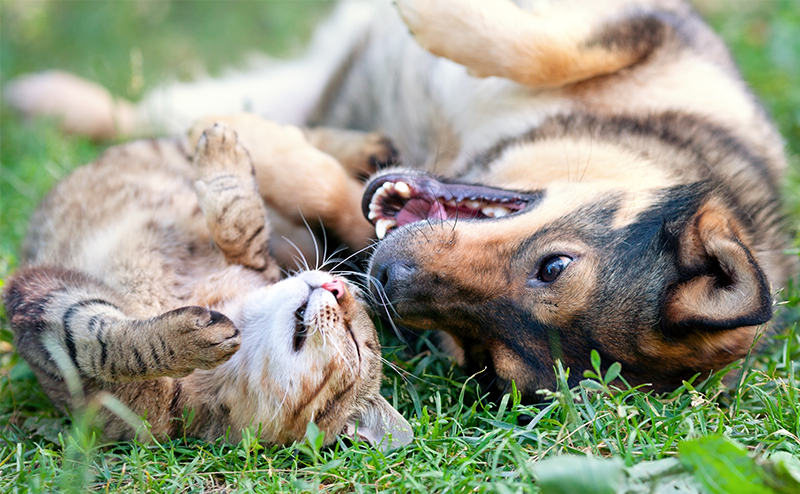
(380, 425)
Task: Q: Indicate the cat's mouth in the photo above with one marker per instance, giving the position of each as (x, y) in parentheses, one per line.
(398, 199)
(300, 328)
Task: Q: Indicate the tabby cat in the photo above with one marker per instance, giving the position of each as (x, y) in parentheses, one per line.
(152, 273)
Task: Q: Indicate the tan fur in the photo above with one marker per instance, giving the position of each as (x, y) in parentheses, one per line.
(126, 268)
(643, 158)
(300, 181)
(547, 48)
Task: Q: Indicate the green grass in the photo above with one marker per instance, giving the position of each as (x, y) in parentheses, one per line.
(464, 443)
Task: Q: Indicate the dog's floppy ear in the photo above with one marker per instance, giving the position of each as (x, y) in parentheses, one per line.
(726, 288)
(380, 425)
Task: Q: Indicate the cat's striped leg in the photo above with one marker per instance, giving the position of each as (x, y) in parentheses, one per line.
(86, 321)
(230, 199)
(300, 182)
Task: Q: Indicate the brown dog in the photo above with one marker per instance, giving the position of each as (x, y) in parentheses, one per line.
(576, 175)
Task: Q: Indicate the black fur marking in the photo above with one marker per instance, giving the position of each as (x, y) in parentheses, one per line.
(68, 338)
(26, 313)
(216, 318)
(761, 315)
(355, 342)
(323, 413)
(139, 361)
(391, 159)
(709, 142)
(174, 410)
(230, 203)
(156, 357)
(254, 235)
(164, 347)
(342, 392)
(103, 344)
(330, 405)
(640, 34)
(93, 327)
(93, 323)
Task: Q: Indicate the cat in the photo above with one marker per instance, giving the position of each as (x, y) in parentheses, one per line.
(151, 274)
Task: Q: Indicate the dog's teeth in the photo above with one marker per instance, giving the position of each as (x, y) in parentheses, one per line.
(402, 189)
(494, 211)
(382, 226)
(375, 207)
(452, 203)
(387, 186)
(372, 214)
(501, 211)
(376, 197)
(472, 204)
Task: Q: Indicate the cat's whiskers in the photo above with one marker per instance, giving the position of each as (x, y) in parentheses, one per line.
(384, 302)
(300, 262)
(280, 407)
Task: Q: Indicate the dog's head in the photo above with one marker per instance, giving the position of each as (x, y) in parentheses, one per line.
(662, 281)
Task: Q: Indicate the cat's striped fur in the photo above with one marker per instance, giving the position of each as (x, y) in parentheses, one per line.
(152, 274)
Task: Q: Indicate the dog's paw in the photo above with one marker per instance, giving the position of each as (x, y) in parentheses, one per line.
(422, 17)
(81, 107)
(378, 152)
(219, 151)
(203, 338)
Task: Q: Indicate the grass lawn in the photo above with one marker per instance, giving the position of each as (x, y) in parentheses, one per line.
(701, 438)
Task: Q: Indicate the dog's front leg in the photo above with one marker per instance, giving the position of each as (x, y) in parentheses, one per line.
(557, 44)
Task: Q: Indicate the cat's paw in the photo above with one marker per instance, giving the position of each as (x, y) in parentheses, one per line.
(203, 338)
(219, 151)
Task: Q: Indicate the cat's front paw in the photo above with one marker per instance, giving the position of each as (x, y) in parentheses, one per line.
(219, 151)
(201, 338)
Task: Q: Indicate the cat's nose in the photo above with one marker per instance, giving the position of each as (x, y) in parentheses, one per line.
(336, 287)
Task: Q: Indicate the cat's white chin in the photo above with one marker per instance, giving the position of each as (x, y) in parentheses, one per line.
(288, 333)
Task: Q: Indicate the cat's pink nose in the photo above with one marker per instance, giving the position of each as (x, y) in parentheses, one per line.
(336, 287)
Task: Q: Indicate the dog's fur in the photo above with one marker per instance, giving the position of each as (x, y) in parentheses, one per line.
(640, 173)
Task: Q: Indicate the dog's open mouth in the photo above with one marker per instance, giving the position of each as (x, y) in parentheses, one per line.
(394, 200)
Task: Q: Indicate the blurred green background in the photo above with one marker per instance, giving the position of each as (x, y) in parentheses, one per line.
(127, 46)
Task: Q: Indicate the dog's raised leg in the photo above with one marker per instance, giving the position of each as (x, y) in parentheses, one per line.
(360, 153)
(560, 43)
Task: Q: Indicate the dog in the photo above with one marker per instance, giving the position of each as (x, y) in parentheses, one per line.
(575, 175)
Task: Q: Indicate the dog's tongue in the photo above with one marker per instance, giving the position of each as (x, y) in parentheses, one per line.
(420, 209)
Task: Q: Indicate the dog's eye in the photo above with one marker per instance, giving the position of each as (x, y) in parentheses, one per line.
(552, 268)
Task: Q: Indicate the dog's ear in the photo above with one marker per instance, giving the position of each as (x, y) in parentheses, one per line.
(726, 288)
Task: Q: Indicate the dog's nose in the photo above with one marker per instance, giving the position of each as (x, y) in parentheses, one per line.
(392, 278)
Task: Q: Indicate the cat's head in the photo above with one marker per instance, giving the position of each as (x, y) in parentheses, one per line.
(311, 353)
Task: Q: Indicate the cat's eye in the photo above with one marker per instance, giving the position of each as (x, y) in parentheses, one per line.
(552, 267)
(300, 331)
